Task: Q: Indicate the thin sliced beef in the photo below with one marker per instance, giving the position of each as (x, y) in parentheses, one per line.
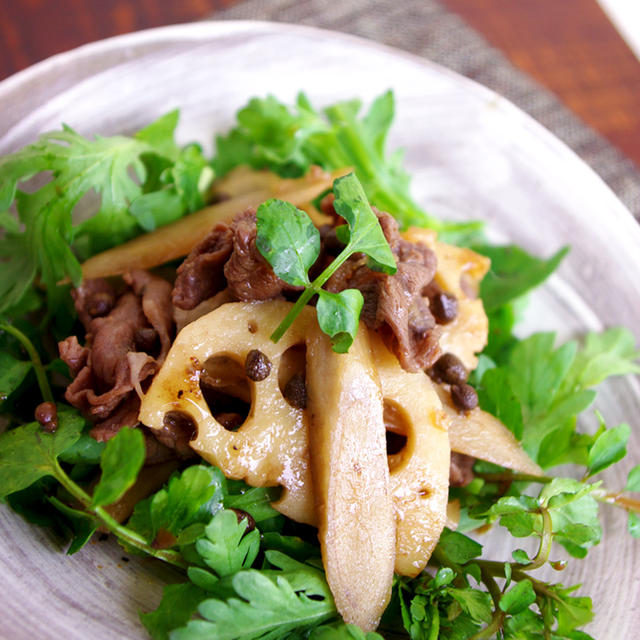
(111, 369)
(94, 298)
(395, 306)
(201, 275)
(249, 275)
(157, 309)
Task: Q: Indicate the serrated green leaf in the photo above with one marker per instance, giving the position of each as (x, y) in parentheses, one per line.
(225, 548)
(121, 461)
(194, 495)
(267, 607)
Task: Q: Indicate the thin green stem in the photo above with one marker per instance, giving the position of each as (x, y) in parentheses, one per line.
(509, 476)
(309, 292)
(41, 376)
(546, 540)
(132, 538)
(498, 616)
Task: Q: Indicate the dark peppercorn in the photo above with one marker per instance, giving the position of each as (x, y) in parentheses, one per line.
(243, 515)
(464, 397)
(295, 392)
(450, 369)
(444, 307)
(47, 416)
(180, 423)
(257, 366)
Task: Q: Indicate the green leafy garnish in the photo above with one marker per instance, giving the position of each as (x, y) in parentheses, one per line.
(27, 453)
(268, 604)
(121, 461)
(141, 181)
(289, 241)
(288, 141)
(539, 390)
(513, 273)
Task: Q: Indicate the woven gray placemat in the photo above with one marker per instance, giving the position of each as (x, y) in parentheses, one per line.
(426, 28)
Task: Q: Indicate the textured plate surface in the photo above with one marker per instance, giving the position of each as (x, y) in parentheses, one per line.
(472, 154)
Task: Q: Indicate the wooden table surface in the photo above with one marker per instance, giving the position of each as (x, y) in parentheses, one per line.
(569, 46)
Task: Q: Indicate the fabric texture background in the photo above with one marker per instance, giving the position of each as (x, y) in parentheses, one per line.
(428, 29)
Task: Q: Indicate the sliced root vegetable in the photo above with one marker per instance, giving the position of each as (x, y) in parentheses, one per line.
(347, 444)
(270, 447)
(453, 515)
(459, 272)
(178, 238)
(478, 434)
(419, 473)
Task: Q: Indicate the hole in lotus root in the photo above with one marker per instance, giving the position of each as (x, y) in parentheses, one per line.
(397, 425)
(292, 369)
(226, 390)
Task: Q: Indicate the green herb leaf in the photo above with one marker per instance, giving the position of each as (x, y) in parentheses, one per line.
(609, 448)
(192, 496)
(290, 243)
(12, 373)
(225, 548)
(85, 450)
(269, 604)
(474, 602)
(458, 547)
(288, 141)
(633, 479)
(518, 598)
(288, 240)
(338, 315)
(113, 168)
(256, 501)
(27, 453)
(121, 461)
(365, 233)
(513, 273)
(179, 602)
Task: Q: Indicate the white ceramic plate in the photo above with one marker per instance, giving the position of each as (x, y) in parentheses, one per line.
(472, 154)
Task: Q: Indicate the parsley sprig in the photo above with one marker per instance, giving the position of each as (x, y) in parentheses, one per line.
(290, 242)
(139, 182)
